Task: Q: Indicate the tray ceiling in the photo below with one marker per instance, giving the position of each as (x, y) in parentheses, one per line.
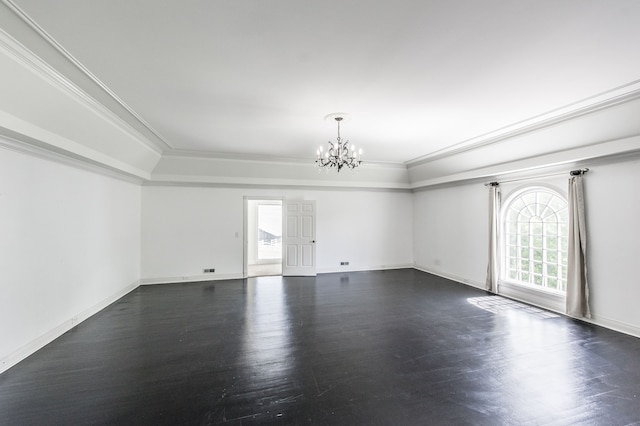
(256, 78)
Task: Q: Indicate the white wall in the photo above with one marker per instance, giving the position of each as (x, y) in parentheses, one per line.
(612, 198)
(69, 244)
(451, 237)
(451, 232)
(187, 229)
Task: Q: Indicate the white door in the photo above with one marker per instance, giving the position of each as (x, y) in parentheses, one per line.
(299, 239)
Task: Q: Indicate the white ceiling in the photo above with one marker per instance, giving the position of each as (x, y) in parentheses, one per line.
(252, 77)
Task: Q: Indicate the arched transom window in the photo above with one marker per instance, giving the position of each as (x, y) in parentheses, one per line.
(535, 243)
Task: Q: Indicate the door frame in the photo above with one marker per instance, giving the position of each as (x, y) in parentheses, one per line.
(245, 228)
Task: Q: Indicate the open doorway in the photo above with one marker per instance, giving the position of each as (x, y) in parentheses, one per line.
(264, 237)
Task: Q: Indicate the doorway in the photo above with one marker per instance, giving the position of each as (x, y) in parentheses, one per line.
(264, 237)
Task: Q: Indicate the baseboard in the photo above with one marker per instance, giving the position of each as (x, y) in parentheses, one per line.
(218, 277)
(615, 325)
(38, 343)
(190, 278)
(360, 268)
(451, 277)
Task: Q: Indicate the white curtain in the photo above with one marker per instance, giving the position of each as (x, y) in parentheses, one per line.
(577, 285)
(493, 269)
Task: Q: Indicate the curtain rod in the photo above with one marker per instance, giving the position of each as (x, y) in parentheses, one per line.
(576, 172)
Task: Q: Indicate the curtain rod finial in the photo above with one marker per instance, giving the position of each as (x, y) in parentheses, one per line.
(578, 172)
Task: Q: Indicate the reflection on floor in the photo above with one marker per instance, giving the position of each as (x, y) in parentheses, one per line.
(397, 347)
(264, 270)
(503, 306)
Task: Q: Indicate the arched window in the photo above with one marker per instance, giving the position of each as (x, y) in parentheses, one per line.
(535, 223)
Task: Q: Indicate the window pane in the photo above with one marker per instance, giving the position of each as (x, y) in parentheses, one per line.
(563, 229)
(562, 285)
(537, 254)
(535, 239)
(536, 228)
(523, 228)
(551, 229)
(537, 267)
(517, 204)
(529, 198)
(512, 228)
(563, 216)
(551, 256)
(544, 197)
(552, 243)
(525, 215)
(557, 204)
(564, 242)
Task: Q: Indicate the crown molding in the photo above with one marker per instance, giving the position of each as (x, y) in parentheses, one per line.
(263, 159)
(615, 151)
(171, 182)
(17, 143)
(259, 182)
(619, 95)
(36, 64)
(23, 56)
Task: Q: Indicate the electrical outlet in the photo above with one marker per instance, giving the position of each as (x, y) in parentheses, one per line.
(206, 271)
(344, 263)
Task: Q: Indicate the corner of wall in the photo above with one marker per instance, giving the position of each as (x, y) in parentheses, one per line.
(40, 342)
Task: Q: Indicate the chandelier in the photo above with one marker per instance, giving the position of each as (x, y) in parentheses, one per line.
(339, 154)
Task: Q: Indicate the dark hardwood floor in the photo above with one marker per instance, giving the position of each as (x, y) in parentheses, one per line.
(369, 348)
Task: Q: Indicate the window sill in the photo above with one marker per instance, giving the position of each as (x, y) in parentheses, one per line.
(539, 297)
